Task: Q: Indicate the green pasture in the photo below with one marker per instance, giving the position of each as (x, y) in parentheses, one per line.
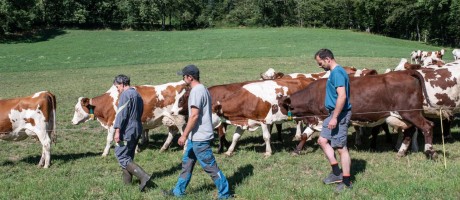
(74, 63)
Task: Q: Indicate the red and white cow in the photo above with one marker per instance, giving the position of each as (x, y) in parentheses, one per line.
(160, 107)
(376, 99)
(33, 116)
(419, 56)
(255, 104)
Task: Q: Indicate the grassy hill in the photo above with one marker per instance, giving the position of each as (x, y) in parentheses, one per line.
(83, 63)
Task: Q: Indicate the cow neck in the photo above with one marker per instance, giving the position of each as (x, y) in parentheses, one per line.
(91, 110)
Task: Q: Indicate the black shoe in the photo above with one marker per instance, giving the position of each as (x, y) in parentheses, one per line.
(331, 178)
(341, 187)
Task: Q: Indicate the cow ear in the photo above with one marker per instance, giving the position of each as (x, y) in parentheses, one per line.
(217, 108)
(279, 75)
(85, 102)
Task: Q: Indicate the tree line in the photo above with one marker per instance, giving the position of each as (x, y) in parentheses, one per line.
(431, 21)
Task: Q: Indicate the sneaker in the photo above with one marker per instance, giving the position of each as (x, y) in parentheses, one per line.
(341, 187)
(331, 178)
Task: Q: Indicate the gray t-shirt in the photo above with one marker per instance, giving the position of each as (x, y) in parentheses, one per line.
(201, 99)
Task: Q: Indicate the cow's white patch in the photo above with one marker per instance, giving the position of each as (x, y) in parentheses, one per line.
(79, 114)
(266, 90)
(401, 65)
(160, 88)
(175, 109)
(21, 126)
(113, 92)
(38, 94)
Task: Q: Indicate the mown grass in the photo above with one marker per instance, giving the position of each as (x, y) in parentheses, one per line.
(83, 63)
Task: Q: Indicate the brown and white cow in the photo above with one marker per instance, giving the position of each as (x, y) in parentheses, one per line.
(33, 116)
(255, 104)
(392, 97)
(160, 107)
(419, 56)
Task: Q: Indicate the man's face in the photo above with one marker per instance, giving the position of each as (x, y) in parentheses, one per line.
(324, 63)
(187, 79)
(119, 87)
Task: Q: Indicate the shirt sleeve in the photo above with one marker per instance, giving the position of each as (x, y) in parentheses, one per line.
(338, 80)
(195, 99)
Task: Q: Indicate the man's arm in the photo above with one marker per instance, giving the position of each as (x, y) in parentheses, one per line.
(193, 118)
(341, 97)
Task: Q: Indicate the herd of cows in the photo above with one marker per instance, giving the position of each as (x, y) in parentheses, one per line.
(402, 98)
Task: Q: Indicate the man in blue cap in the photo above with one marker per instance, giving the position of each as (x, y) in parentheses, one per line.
(198, 134)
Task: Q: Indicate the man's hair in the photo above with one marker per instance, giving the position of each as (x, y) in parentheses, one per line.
(324, 53)
(121, 79)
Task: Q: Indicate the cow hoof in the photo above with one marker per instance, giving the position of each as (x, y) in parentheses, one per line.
(229, 154)
(295, 153)
(296, 138)
(162, 150)
(401, 154)
(431, 155)
(267, 154)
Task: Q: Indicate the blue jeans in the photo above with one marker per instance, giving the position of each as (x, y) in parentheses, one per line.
(202, 152)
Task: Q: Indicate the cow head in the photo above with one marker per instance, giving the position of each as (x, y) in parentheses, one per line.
(270, 74)
(284, 104)
(82, 111)
(180, 106)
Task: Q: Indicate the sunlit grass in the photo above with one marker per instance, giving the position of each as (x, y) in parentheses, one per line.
(84, 63)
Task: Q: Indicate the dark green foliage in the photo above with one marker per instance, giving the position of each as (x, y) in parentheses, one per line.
(431, 21)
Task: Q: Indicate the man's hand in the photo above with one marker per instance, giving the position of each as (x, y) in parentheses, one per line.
(332, 124)
(182, 140)
(116, 137)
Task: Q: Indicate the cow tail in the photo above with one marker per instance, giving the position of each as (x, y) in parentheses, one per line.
(417, 75)
(52, 100)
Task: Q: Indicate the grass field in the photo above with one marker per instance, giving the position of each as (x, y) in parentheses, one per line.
(76, 63)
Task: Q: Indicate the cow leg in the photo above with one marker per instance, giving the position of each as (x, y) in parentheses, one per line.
(414, 144)
(222, 140)
(236, 137)
(375, 132)
(266, 136)
(45, 140)
(279, 129)
(299, 147)
(145, 137)
(387, 132)
(144, 140)
(306, 136)
(110, 134)
(358, 135)
(446, 127)
(298, 131)
(427, 129)
(172, 130)
(406, 142)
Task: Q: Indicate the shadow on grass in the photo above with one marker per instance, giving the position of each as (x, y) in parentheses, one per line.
(357, 166)
(236, 179)
(65, 158)
(257, 142)
(33, 36)
(170, 171)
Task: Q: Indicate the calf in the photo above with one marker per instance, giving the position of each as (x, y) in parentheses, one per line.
(33, 116)
(160, 107)
(374, 99)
